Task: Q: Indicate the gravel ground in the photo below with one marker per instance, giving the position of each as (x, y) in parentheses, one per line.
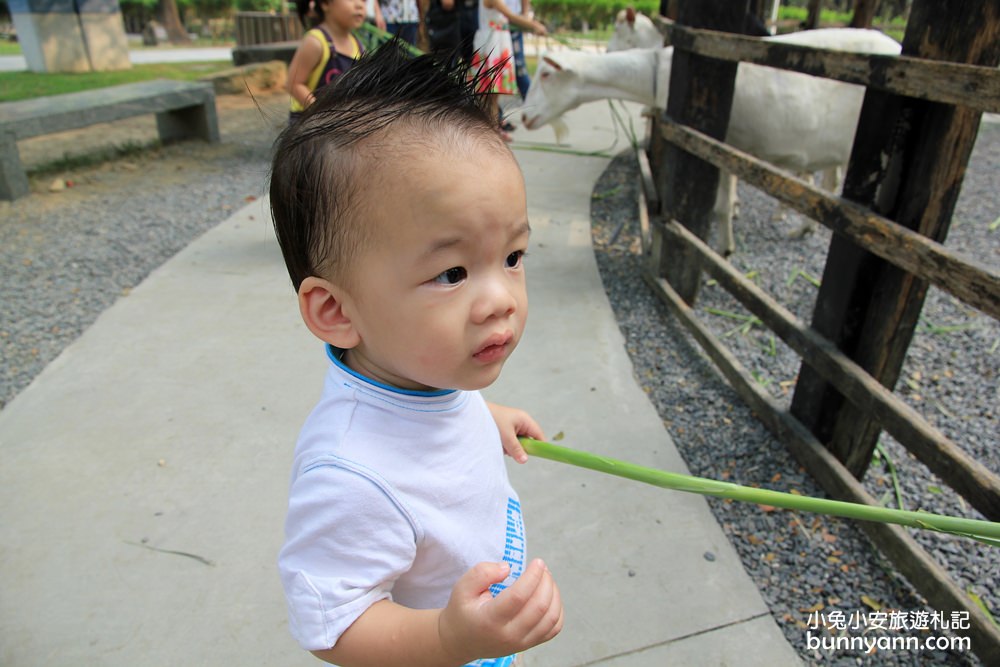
(804, 563)
(68, 255)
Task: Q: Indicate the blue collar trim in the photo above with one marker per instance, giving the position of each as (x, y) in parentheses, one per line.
(335, 354)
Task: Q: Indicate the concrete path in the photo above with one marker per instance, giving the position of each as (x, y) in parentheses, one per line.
(143, 474)
(17, 63)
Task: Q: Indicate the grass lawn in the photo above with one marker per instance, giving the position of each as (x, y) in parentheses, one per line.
(25, 85)
(9, 48)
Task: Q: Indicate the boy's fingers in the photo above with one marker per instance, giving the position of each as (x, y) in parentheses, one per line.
(515, 450)
(552, 623)
(510, 603)
(479, 578)
(530, 428)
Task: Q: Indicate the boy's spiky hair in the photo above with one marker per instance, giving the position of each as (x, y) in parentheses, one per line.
(321, 160)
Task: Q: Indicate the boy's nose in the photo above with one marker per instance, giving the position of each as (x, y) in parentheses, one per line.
(496, 300)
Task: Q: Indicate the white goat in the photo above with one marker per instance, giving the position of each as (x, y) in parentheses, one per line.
(634, 31)
(798, 122)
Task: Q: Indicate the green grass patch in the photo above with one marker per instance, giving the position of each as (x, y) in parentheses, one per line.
(9, 48)
(26, 85)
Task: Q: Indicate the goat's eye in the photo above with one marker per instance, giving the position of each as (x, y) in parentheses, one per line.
(545, 75)
(452, 276)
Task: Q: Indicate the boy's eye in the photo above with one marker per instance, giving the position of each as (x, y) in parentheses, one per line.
(514, 259)
(452, 276)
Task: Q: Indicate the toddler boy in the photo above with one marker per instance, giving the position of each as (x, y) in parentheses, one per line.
(402, 218)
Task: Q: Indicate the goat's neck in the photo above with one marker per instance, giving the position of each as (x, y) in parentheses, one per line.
(625, 75)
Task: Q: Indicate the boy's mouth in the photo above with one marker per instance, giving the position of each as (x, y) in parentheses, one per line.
(494, 348)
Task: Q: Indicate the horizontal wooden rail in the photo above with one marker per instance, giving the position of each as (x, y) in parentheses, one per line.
(934, 80)
(966, 475)
(909, 557)
(965, 278)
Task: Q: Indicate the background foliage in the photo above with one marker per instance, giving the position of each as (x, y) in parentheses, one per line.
(573, 14)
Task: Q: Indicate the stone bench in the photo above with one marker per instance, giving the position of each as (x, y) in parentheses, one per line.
(183, 110)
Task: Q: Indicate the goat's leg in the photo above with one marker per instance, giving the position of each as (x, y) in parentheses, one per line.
(830, 179)
(725, 197)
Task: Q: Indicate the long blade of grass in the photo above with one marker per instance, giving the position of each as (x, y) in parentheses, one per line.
(984, 531)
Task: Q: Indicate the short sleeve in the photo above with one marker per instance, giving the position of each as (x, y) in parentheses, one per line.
(347, 539)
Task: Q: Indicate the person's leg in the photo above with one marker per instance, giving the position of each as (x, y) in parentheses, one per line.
(494, 107)
(520, 64)
(408, 33)
(469, 22)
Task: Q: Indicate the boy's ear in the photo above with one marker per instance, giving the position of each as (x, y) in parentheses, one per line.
(322, 306)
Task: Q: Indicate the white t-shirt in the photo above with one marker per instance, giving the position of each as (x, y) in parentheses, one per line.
(394, 494)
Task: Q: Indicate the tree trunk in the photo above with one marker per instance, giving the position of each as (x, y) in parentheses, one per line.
(172, 23)
(812, 20)
(864, 13)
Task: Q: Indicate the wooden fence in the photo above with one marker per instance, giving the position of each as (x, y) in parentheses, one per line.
(917, 128)
(253, 28)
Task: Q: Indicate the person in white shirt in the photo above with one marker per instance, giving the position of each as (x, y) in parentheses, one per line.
(405, 542)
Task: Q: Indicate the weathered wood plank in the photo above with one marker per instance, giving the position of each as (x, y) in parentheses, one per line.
(968, 477)
(907, 164)
(970, 85)
(701, 95)
(964, 277)
(913, 562)
(645, 229)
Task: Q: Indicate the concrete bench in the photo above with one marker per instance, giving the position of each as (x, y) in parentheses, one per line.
(183, 110)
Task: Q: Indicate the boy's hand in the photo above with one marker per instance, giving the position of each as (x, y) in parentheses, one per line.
(476, 625)
(512, 423)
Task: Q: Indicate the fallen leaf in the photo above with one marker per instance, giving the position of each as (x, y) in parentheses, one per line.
(558, 436)
(876, 606)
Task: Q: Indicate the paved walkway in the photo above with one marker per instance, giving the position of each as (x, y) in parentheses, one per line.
(143, 474)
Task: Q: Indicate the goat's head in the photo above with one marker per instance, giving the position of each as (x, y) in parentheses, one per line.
(634, 31)
(554, 90)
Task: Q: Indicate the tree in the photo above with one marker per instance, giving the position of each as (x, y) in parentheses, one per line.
(864, 13)
(176, 32)
(812, 20)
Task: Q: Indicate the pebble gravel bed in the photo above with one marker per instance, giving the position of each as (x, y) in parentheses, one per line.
(809, 566)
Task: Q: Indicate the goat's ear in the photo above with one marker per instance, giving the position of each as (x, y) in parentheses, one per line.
(630, 15)
(552, 63)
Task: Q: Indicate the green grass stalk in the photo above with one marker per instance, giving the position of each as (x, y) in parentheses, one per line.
(987, 532)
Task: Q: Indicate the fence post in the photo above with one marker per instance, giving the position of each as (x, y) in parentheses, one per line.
(701, 95)
(866, 306)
